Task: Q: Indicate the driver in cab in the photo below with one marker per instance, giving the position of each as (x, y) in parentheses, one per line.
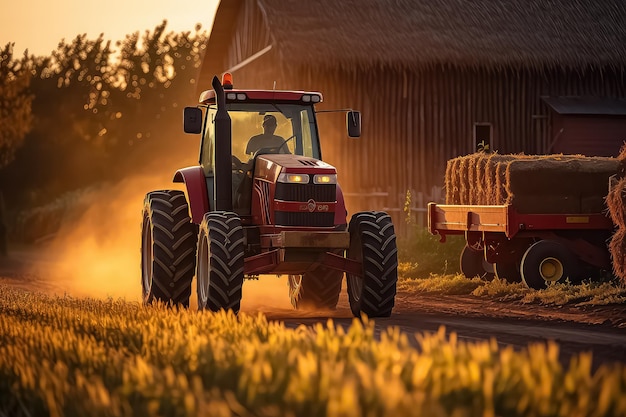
(267, 139)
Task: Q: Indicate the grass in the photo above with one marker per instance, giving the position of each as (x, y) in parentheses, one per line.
(588, 293)
(421, 254)
(83, 357)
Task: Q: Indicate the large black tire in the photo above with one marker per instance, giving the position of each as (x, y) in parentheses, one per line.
(508, 271)
(473, 264)
(373, 243)
(316, 289)
(168, 248)
(220, 262)
(510, 255)
(547, 262)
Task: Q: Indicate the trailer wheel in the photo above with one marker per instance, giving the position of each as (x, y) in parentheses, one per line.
(168, 248)
(316, 289)
(373, 243)
(473, 264)
(508, 262)
(508, 271)
(547, 262)
(220, 262)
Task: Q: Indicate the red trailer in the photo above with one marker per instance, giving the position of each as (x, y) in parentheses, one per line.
(537, 249)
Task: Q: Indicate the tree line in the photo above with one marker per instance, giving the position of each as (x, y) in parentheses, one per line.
(92, 111)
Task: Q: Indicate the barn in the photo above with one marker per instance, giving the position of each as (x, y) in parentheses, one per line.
(434, 79)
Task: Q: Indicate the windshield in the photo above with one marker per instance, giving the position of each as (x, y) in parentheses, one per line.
(279, 128)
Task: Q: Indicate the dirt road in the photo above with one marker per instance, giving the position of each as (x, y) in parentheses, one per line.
(600, 330)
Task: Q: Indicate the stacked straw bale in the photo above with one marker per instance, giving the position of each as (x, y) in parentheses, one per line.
(616, 201)
(547, 184)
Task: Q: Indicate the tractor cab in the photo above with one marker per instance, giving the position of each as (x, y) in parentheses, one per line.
(261, 123)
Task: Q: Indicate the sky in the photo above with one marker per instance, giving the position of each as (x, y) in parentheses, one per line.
(39, 25)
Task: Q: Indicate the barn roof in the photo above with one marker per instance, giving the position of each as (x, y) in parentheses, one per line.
(599, 106)
(478, 33)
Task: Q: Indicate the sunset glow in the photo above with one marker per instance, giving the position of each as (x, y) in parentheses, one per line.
(40, 25)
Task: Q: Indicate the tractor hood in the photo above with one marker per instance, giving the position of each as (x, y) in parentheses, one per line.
(270, 166)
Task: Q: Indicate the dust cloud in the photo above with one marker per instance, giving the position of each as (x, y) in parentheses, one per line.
(97, 252)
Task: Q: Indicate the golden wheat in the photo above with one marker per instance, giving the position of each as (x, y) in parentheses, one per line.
(62, 356)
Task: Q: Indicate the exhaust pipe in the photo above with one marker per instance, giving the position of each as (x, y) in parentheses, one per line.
(223, 152)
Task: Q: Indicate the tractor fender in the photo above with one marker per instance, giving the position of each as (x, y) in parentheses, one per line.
(341, 214)
(197, 194)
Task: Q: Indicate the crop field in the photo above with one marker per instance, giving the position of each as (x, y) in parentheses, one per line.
(64, 356)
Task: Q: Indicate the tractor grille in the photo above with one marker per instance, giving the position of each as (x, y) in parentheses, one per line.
(286, 218)
(306, 192)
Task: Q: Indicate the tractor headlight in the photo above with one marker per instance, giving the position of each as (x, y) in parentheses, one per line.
(325, 179)
(308, 98)
(293, 178)
(236, 96)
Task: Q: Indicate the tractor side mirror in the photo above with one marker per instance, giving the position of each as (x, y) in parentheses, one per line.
(192, 120)
(353, 120)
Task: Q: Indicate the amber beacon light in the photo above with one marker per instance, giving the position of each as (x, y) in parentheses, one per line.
(227, 80)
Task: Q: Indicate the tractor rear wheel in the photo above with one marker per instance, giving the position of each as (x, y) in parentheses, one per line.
(220, 262)
(315, 289)
(547, 262)
(373, 243)
(473, 264)
(168, 248)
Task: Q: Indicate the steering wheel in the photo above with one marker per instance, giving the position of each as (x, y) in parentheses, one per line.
(274, 149)
(285, 142)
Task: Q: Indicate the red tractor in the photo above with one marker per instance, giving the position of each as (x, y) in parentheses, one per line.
(275, 210)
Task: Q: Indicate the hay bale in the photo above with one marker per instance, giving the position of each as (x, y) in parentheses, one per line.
(588, 176)
(481, 187)
(473, 186)
(465, 185)
(501, 192)
(452, 181)
(532, 183)
(622, 153)
(447, 182)
(617, 248)
(559, 184)
(491, 177)
(472, 161)
(616, 202)
(546, 204)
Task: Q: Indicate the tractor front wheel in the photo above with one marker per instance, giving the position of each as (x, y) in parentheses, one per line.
(373, 243)
(168, 248)
(220, 262)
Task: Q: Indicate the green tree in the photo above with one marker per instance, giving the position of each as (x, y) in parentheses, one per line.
(100, 112)
(154, 78)
(15, 104)
(58, 153)
(15, 118)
